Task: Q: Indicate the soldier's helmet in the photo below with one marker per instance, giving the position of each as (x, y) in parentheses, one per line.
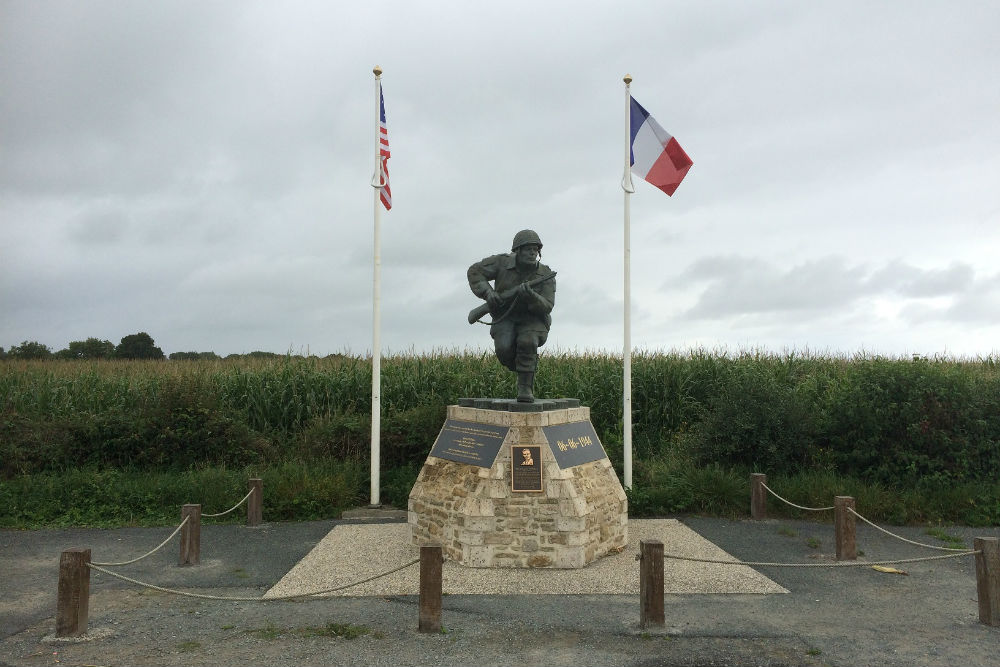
(526, 237)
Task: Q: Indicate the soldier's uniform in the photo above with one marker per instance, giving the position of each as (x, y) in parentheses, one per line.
(520, 326)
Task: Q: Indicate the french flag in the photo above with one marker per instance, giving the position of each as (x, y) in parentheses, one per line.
(657, 158)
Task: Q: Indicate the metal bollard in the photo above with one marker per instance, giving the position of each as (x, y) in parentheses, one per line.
(191, 535)
(843, 524)
(73, 602)
(651, 583)
(430, 588)
(255, 502)
(988, 579)
(758, 496)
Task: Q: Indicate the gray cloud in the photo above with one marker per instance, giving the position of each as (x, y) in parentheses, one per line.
(911, 281)
(200, 171)
(736, 285)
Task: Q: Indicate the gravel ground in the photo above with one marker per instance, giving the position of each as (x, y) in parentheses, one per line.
(843, 616)
(350, 553)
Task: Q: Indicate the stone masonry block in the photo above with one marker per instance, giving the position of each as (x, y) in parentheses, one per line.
(478, 556)
(573, 506)
(538, 560)
(567, 490)
(570, 557)
(581, 515)
(571, 524)
(535, 419)
(482, 524)
(553, 471)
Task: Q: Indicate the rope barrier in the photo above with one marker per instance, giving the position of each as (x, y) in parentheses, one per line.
(900, 537)
(231, 508)
(279, 598)
(162, 544)
(808, 509)
(837, 564)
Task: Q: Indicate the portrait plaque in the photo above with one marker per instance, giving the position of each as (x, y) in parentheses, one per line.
(525, 468)
(574, 443)
(469, 442)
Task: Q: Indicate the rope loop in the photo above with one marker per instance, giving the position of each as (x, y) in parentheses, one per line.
(788, 502)
(231, 508)
(900, 537)
(837, 564)
(278, 598)
(162, 544)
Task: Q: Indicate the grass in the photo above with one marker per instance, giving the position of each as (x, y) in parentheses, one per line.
(675, 484)
(269, 632)
(338, 630)
(951, 540)
(113, 498)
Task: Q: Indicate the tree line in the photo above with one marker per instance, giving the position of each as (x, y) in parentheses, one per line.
(134, 346)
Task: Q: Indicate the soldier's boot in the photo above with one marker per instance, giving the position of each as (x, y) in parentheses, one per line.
(525, 383)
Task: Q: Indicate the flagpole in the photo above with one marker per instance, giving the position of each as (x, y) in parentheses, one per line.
(627, 351)
(378, 180)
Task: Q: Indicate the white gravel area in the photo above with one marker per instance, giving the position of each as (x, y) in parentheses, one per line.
(350, 553)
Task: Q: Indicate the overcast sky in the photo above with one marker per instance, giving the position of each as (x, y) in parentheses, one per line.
(200, 171)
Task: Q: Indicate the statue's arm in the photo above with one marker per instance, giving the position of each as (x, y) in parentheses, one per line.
(543, 298)
(480, 274)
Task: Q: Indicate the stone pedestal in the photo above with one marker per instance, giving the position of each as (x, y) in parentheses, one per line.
(474, 511)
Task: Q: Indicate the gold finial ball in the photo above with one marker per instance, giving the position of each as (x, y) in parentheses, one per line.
(627, 79)
(377, 70)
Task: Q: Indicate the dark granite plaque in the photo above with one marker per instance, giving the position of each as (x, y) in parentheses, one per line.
(574, 443)
(525, 468)
(469, 442)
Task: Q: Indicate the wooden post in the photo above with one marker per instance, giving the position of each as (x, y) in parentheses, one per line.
(73, 603)
(758, 496)
(651, 583)
(988, 579)
(430, 588)
(255, 502)
(843, 522)
(191, 535)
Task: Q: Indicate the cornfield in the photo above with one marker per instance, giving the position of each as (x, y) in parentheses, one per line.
(890, 420)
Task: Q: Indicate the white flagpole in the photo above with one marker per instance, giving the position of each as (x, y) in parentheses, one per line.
(378, 180)
(627, 351)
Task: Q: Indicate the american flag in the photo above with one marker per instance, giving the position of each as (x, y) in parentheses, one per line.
(383, 150)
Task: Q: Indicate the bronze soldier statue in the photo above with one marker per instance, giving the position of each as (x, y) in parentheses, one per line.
(520, 302)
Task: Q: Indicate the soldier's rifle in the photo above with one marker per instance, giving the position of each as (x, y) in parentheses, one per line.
(477, 313)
